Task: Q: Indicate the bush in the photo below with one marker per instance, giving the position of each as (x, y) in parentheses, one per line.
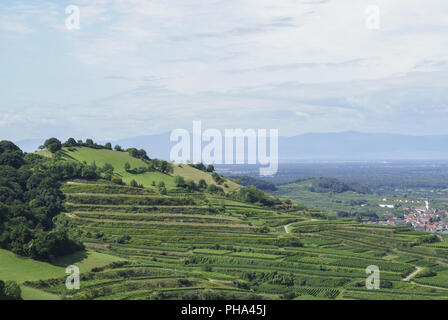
(10, 290)
(215, 189)
(117, 180)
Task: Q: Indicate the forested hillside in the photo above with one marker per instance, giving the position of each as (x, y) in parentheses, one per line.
(30, 200)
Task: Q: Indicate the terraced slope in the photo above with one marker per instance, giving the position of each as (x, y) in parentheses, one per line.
(182, 246)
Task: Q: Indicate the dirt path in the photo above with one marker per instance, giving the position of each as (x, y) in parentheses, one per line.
(413, 274)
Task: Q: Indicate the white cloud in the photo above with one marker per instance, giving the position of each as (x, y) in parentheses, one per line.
(234, 61)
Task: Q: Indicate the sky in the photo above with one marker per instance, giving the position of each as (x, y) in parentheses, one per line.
(139, 67)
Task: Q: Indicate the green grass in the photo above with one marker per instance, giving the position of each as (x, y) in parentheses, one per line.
(119, 159)
(13, 267)
(334, 202)
(20, 269)
(87, 263)
(191, 173)
(211, 251)
(36, 294)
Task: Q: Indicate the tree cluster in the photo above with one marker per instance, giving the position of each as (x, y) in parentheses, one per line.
(30, 199)
(10, 290)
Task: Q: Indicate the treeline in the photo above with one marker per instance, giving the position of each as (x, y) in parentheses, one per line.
(251, 194)
(190, 186)
(202, 167)
(30, 200)
(151, 165)
(251, 181)
(325, 185)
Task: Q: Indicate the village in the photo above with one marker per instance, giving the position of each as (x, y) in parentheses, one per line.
(422, 218)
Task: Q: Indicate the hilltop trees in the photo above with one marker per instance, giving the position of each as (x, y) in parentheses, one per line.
(202, 167)
(53, 145)
(139, 154)
(10, 154)
(70, 143)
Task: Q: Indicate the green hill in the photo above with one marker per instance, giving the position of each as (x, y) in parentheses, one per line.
(118, 160)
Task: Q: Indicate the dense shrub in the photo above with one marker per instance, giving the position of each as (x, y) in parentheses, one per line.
(10, 290)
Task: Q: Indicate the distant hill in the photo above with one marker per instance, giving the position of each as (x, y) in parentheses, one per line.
(315, 146)
(251, 181)
(324, 185)
(363, 146)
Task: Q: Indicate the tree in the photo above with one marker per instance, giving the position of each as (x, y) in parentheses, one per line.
(53, 145)
(10, 290)
(13, 159)
(161, 187)
(139, 154)
(210, 168)
(118, 148)
(108, 146)
(179, 181)
(133, 183)
(108, 168)
(8, 146)
(212, 188)
(117, 180)
(70, 143)
(127, 167)
(190, 185)
(202, 184)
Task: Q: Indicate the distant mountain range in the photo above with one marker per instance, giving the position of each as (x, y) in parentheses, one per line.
(343, 146)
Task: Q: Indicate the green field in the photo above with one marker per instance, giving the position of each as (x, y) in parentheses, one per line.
(348, 202)
(21, 269)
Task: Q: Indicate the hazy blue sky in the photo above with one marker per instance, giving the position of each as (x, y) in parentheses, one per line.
(142, 67)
